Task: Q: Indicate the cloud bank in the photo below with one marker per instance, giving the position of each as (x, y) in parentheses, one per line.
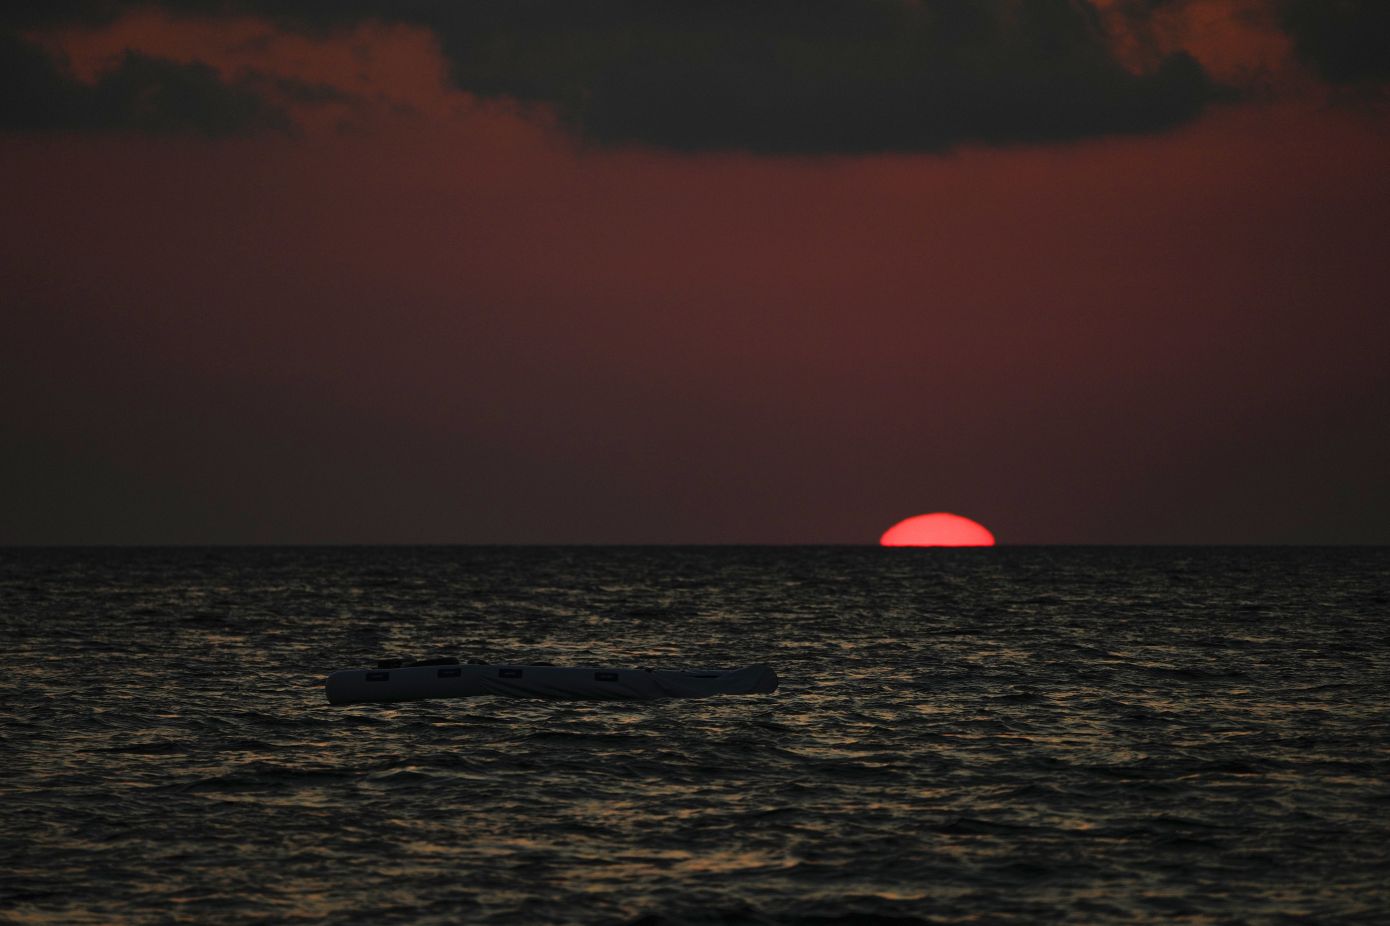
(803, 77)
(772, 76)
(1346, 41)
(140, 93)
(818, 76)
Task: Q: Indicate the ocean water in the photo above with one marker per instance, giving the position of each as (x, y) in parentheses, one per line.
(1087, 735)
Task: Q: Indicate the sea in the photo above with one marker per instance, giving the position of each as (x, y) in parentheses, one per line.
(1006, 735)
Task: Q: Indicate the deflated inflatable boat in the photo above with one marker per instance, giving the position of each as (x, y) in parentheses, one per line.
(446, 678)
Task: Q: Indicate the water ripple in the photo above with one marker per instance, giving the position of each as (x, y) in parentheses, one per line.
(1003, 736)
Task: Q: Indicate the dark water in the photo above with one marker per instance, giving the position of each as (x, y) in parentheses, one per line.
(995, 736)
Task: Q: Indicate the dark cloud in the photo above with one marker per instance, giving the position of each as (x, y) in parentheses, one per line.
(34, 93)
(140, 93)
(1346, 41)
(787, 76)
(19, 14)
(820, 75)
(300, 91)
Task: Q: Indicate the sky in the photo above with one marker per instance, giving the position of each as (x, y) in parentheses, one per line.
(609, 271)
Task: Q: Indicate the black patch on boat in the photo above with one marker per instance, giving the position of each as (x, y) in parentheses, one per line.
(449, 673)
(605, 676)
(509, 673)
(378, 676)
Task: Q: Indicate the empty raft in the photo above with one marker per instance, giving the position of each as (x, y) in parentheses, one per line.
(418, 682)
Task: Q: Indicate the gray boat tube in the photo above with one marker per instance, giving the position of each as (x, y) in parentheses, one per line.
(418, 682)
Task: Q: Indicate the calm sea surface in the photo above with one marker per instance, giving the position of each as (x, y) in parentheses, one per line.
(1009, 735)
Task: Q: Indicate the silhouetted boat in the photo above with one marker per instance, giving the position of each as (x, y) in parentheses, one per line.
(447, 678)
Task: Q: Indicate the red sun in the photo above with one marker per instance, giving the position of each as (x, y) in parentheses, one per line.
(941, 529)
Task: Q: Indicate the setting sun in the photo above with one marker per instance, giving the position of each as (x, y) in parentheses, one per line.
(939, 529)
